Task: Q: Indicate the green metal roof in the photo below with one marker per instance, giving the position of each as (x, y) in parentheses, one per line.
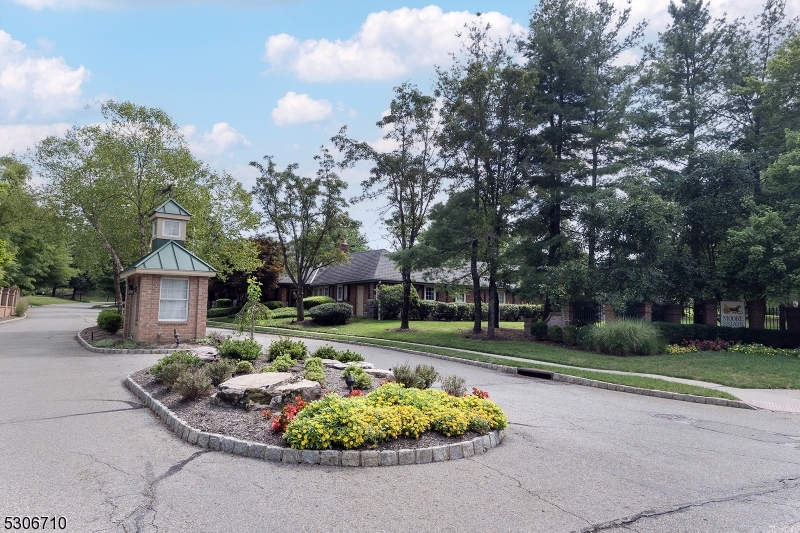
(171, 207)
(171, 256)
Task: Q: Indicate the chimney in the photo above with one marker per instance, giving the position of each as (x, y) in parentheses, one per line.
(343, 246)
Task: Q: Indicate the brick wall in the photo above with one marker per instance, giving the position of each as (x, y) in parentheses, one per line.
(141, 311)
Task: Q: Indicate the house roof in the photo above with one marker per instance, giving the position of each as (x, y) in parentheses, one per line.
(171, 207)
(170, 257)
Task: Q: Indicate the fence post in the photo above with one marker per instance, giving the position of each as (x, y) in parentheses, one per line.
(756, 313)
(792, 318)
(610, 314)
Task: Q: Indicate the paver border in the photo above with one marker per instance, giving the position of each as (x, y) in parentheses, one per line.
(94, 349)
(23, 317)
(346, 458)
(566, 378)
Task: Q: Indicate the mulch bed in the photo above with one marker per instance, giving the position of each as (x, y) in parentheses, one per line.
(252, 426)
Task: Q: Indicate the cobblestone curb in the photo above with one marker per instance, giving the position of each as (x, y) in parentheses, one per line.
(23, 317)
(94, 349)
(365, 458)
(566, 378)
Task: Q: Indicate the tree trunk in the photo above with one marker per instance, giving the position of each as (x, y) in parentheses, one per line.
(492, 311)
(300, 309)
(476, 287)
(405, 273)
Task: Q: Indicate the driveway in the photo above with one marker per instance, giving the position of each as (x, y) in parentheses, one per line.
(75, 443)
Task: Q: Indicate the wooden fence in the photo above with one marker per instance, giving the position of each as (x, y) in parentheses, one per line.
(9, 296)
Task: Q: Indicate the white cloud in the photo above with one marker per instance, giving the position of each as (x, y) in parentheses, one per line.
(31, 85)
(20, 137)
(300, 109)
(390, 44)
(221, 138)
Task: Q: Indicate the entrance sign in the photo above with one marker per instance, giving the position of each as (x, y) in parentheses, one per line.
(732, 315)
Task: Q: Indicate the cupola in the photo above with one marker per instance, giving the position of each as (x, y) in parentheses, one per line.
(169, 224)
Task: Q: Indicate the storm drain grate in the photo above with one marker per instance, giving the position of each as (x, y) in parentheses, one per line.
(533, 373)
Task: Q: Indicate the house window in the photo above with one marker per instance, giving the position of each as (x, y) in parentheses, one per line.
(172, 228)
(173, 304)
(461, 298)
(501, 297)
(154, 229)
(339, 293)
(430, 293)
(324, 291)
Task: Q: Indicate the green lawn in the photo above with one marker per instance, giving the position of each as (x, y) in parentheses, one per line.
(731, 369)
(48, 300)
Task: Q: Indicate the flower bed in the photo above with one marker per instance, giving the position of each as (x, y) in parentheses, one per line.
(692, 346)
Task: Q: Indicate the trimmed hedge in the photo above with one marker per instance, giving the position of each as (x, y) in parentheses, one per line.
(313, 301)
(223, 302)
(109, 321)
(274, 304)
(218, 312)
(453, 311)
(675, 333)
(334, 314)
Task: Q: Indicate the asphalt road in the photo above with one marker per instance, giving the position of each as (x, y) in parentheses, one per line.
(75, 443)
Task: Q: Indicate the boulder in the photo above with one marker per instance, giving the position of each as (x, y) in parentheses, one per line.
(206, 353)
(341, 366)
(388, 375)
(252, 390)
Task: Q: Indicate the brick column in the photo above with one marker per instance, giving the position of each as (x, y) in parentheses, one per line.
(611, 315)
(644, 311)
(710, 313)
(756, 313)
(673, 313)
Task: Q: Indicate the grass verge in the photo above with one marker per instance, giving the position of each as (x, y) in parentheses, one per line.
(617, 379)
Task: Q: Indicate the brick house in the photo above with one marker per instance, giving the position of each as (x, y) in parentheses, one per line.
(357, 281)
(167, 290)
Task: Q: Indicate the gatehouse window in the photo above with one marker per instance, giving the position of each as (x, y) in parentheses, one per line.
(173, 304)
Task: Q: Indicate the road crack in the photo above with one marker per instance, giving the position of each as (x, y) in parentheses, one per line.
(784, 484)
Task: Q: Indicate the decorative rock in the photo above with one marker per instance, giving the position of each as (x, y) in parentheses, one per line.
(240, 447)
(309, 390)
(370, 458)
(406, 457)
(257, 450)
(290, 456)
(341, 366)
(206, 353)
(309, 457)
(329, 458)
(351, 458)
(388, 458)
(456, 451)
(487, 443)
(202, 440)
(468, 448)
(439, 454)
(273, 453)
(424, 456)
(193, 437)
(388, 375)
(477, 444)
(330, 363)
(261, 389)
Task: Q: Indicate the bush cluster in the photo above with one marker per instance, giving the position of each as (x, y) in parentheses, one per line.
(282, 363)
(109, 321)
(219, 371)
(314, 371)
(219, 312)
(675, 333)
(192, 384)
(313, 301)
(186, 358)
(387, 413)
(223, 302)
(244, 349)
(244, 367)
(454, 385)
(285, 346)
(335, 314)
(539, 330)
(420, 377)
(284, 312)
(363, 381)
(344, 356)
(274, 304)
(22, 306)
(624, 337)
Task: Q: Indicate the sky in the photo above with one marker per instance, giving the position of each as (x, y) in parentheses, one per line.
(246, 78)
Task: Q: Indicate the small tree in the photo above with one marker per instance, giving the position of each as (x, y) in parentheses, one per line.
(253, 310)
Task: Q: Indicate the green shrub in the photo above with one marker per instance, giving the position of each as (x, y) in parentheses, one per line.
(555, 334)
(480, 425)
(539, 330)
(353, 370)
(390, 299)
(186, 357)
(170, 372)
(219, 312)
(509, 312)
(425, 308)
(570, 335)
(534, 311)
(22, 306)
(296, 350)
(244, 367)
(363, 381)
(274, 304)
(285, 312)
(675, 333)
(454, 385)
(214, 338)
(192, 384)
(427, 374)
(314, 370)
(282, 363)
(349, 356)
(223, 302)
(219, 371)
(244, 349)
(335, 314)
(624, 337)
(313, 301)
(326, 352)
(109, 320)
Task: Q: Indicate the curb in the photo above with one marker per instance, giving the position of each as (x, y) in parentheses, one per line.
(23, 317)
(91, 348)
(348, 458)
(566, 378)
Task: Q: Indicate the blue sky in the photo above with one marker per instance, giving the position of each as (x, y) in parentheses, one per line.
(243, 78)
